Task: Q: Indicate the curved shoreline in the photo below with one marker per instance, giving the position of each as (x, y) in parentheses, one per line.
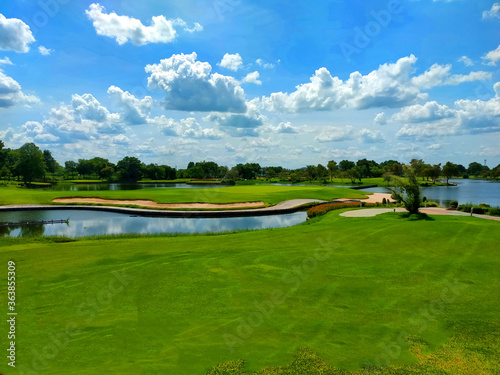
(285, 207)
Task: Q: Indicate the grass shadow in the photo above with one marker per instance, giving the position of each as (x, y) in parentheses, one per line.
(415, 217)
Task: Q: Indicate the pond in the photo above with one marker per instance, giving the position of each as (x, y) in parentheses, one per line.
(91, 223)
(473, 191)
(126, 186)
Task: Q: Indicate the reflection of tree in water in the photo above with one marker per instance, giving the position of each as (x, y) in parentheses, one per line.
(5, 230)
(32, 230)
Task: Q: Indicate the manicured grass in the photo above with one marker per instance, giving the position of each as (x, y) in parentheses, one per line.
(355, 290)
(230, 194)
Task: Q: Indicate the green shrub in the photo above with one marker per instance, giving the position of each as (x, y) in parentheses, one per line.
(476, 209)
(454, 204)
(428, 204)
(494, 211)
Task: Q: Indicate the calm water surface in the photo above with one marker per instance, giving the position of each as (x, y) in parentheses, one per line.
(473, 191)
(91, 223)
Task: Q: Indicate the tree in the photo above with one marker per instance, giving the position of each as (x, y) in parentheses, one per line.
(407, 191)
(345, 165)
(435, 172)
(333, 168)
(50, 162)
(130, 169)
(97, 164)
(4, 172)
(311, 172)
(365, 167)
(3, 154)
(84, 167)
(475, 169)
(396, 169)
(321, 171)
(232, 174)
(70, 167)
(418, 167)
(387, 177)
(354, 174)
(31, 163)
(106, 173)
(450, 170)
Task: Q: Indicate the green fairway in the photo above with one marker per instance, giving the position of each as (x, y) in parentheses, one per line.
(232, 194)
(351, 290)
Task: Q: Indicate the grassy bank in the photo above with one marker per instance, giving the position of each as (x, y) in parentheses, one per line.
(353, 291)
(231, 194)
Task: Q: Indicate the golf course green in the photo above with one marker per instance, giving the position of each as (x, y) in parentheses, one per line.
(388, 294)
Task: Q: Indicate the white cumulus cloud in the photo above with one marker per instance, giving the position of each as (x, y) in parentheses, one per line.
(134, 111)
(188, 128)
(492, 57)
(494, 12)
(190, 86)
(15, 35)
(335, 134)
(124, 28)
(6, 61)
(253, 77)
(11, 93)
(466, 60)
(231, 61)
(439, 75)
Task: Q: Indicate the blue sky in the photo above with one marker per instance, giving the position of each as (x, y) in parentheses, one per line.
(236, 81)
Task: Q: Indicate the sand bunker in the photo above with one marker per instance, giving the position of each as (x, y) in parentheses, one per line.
(153, 204)
(373, 198)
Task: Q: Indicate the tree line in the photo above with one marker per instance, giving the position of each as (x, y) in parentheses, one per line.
(29, 163)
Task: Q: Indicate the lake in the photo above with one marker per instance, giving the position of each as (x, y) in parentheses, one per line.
(467, 190)
(92, 223)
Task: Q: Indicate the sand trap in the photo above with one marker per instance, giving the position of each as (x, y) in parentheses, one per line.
(153, 204)
(374, 198)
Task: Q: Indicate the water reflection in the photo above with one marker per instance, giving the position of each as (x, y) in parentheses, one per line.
(90, 223)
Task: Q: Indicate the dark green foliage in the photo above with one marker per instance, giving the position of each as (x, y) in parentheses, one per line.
(31, 163)
(454, 204)
(130, 169)
(407, 192)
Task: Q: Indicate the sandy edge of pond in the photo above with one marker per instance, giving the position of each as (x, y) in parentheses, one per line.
(153, 204)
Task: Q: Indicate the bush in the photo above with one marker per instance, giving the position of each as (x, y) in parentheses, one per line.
(432, 204)
(322, 209)
(494, 211)
(454, 204)
(384, 201)
(476, 209)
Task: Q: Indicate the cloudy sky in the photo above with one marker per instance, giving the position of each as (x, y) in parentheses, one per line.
(258, 81)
